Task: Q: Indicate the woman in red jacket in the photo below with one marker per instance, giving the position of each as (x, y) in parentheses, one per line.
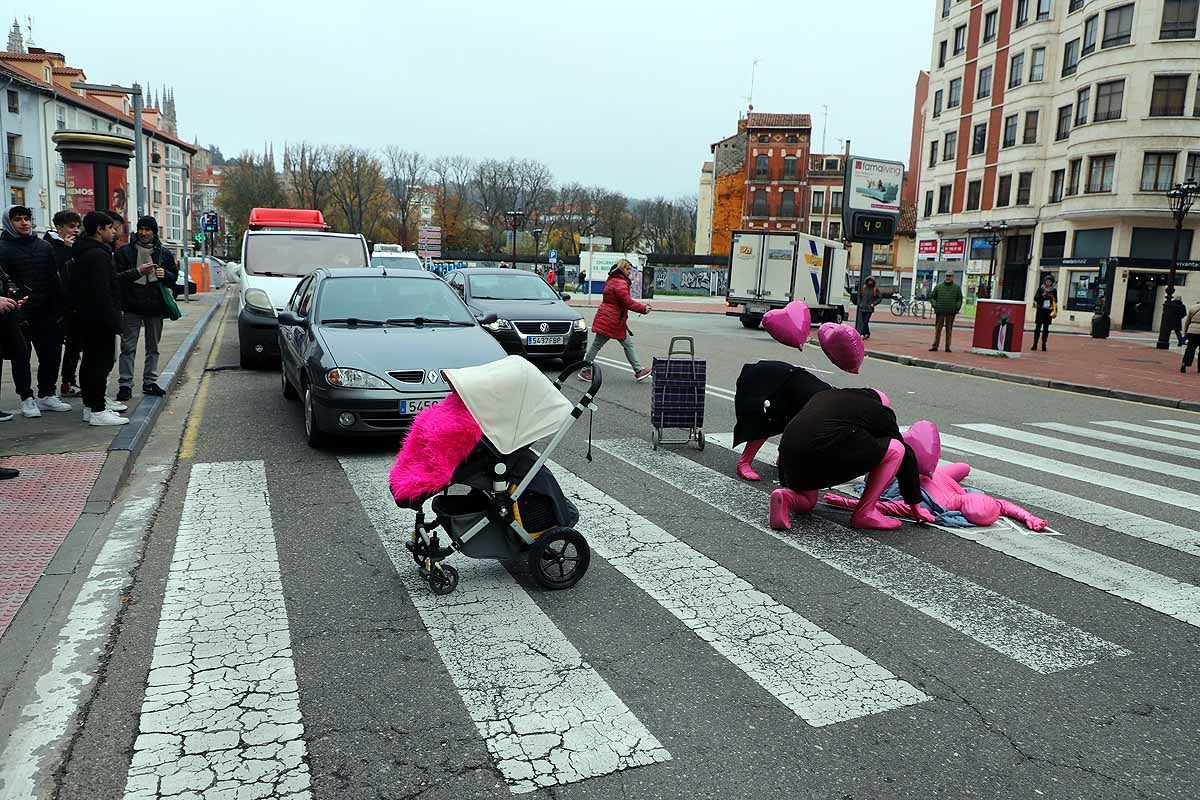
(612, 318)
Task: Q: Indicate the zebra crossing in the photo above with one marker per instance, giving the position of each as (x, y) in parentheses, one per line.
(223, 708)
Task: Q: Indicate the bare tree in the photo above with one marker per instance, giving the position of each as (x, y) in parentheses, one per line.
(614, 220)
(452, 176)
(534, 187)
(495, 191)
(407, 174)
(571, 214)
(248, 182)
(307, 169)
(358, 192)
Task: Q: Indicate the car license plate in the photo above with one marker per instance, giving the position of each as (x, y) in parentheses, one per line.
(415, 406)
(545, 340)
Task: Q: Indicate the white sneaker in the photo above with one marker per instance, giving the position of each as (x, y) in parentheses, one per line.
(29, 408)
(87, 414)
(107, 417)
(52, 403)
(5, 416)
(114, 405)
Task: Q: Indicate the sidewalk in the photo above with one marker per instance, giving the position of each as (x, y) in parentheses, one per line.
(70, 470)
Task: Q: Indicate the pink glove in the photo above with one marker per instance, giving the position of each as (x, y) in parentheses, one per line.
(1016, 512)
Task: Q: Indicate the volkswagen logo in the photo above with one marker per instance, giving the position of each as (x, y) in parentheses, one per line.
(544, 327)
(433, 376)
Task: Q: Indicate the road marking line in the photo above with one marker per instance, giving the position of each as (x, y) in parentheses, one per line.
(808, 669)
(1146, 429)
(1165, 534)
(1143, 490)
(1037, 640)
(1116, 438)
(191, 432)
(222, 712)
(547, 717)
(724, 394)
(1087, 451)
(1191, 426)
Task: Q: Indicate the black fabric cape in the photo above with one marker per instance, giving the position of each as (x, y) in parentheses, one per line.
(787, 389)
(838, 436)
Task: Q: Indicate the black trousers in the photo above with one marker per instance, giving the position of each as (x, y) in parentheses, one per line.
(866, 321)
(14, 348)
(1041, 327)
(71, 349)
(1193, 341)
(99, 353)
(45, 336)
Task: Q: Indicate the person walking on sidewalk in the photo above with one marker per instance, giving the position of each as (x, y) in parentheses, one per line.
(141, 266)
(1045, 304)
(1191, 329)
(29, 261)
(1177, 311)
(612, 320)
(92, 288)
(866, 305)
(946, 300)
(61, 239)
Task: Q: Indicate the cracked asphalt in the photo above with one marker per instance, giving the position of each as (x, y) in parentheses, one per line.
(682, 617)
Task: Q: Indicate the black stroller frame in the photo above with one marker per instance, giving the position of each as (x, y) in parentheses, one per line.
(492, 520)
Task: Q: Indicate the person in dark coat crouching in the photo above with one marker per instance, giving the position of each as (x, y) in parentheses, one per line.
(612, 319)
(141, 266)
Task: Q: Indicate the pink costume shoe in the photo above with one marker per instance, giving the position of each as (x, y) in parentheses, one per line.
(786, 501)
(867, 515)
(745, 467)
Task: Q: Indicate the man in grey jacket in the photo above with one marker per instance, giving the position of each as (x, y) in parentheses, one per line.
(142, 265)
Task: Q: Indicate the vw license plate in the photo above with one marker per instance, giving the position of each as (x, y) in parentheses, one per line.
(545, 340)
(415, 406)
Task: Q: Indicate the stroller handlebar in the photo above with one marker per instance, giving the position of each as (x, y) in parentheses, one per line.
(597, 380)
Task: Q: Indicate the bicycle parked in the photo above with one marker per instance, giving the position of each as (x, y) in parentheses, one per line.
(917, 308)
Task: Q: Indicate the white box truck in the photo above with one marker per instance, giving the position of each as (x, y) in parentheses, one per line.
(770, 270)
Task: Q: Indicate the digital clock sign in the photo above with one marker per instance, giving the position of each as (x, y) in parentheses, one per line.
(871, 204)
(873, 228)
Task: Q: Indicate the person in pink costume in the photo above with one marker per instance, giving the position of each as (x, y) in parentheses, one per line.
(944, 487)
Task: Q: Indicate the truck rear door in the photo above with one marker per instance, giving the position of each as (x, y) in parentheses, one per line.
(778, 273)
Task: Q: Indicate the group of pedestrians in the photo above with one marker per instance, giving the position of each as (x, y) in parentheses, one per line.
(66, 297)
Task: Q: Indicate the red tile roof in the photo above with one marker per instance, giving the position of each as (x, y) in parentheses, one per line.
(779, 121)
(67, 71)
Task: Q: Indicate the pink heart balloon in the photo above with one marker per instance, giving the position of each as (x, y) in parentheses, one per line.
(842, 345)
(789, 325)
(926, 443)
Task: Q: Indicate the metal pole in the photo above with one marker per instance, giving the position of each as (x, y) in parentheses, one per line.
(139, 151)
(514, 243)
(187, 263)
(1164, 333)
(864, 272)
(587, 286)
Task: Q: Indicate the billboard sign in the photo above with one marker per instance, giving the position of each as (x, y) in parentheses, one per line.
(871, 199)
(927, 249)
(954, 249)
(81, 187)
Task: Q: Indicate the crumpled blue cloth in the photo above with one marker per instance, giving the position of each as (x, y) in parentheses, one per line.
(950, 519)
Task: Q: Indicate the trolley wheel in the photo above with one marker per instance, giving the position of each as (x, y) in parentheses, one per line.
(559, 557)
(655, 437)
(442, 579)
(418, 549)
(700, 439)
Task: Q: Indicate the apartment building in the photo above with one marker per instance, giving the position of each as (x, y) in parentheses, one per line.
(1061, 123)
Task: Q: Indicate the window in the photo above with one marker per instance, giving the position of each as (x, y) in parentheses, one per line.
(1090, 26)
(787, 205)
(979, 139)
(960, 39)
(764, 138)
(1058, 179)
(955, 93)
(1075, 167)
(762, 169)
(1179, 19)
(950, 146)
(1003, 190)
(789, 168)
(1064, 123)
(1054, 245)
(814, 228)
(792, 138)
(1158, 172)
(937, 104)
(1118, 26)
(989, 26)
(818, 202)
(974, 191)
(1024, 186)
(60, 117)
(1170, 94)
(1016, 71)
(16, 195)
(1070, 58)
(945, 8)
(985, 83)
(1074, 6)
(1081, 105)
(759, 205)
(1110, 97)
(1100, 173)
(1022, 12)
(1191, 170)
(929, 203)
(95, 124)
(1037, 64)
(1010, 131)
(14, 102)
(835, 230)
(1031, 127)
(1043, 9)
(942, 45)
(833, 164)
(835, 202)
(944, 194)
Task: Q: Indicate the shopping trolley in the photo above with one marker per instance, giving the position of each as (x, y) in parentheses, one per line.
(678, 394)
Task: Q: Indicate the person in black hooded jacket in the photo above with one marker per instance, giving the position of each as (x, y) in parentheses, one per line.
(142, 265)
(93, 293)
(769, 394)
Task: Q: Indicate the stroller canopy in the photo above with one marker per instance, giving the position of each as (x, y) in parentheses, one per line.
(513, 402)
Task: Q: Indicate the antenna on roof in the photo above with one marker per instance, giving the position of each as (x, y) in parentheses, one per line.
(753, 71)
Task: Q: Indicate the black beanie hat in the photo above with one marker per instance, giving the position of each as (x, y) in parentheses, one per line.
(149, 222)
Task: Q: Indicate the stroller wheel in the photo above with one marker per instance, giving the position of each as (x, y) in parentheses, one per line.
(700, 439)
(559, 557)
(443, 579)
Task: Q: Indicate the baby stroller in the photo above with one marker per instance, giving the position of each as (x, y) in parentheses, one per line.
(501, 502)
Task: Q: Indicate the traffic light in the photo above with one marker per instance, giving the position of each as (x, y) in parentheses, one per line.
(198, 240)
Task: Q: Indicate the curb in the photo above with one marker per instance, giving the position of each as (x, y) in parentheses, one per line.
(1042, 383)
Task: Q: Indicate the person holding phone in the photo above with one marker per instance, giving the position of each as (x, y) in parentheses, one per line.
(141, 266)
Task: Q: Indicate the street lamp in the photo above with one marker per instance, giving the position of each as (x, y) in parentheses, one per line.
(515, 220)
(537, 248)
(1180, 199)
(995, 235)
(139, 156)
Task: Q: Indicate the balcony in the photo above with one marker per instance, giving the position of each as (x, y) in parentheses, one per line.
(18, 166)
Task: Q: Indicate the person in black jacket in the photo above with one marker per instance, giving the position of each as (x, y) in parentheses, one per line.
(93, 292)
(67, 225)
(1045, 303)
(142, 265)
(29, 261)
(12, 342)
(769, 394)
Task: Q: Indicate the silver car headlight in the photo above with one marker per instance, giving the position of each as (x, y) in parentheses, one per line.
(499, 325)
(343, 378)
(259, 301)
(579, 325)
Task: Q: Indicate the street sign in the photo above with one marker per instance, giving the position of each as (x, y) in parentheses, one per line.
(210, 222)
(597, 241)
(871, 199)
(553, 256)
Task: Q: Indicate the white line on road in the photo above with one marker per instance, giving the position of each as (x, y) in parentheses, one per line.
(806, 668)
(1116, 438)
(1191, 426)
(547, 717)
(1086, 450)
(1041, 642)
(221, 716)
(724, 394)
(1146, 429)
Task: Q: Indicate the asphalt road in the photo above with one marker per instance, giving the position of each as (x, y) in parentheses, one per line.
(291, 642)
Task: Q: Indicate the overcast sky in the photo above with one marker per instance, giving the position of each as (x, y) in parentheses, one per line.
(623, 94)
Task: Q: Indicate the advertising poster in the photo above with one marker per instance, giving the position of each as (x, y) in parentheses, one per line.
(954, 249)
(118, 199)
(874, 185)
(927, 249)
(81, 187)
(999, 326)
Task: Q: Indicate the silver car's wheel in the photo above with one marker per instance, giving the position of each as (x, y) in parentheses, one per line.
(289, 391)
(315, 436)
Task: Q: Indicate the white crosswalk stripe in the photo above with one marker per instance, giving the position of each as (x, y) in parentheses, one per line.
(1116, 438)
(1164, 433)
(1176, 423)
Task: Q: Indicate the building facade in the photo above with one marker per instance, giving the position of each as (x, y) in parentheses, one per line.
(1065, 122)
(704, 210)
